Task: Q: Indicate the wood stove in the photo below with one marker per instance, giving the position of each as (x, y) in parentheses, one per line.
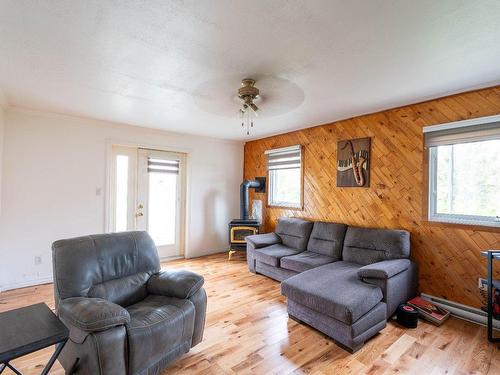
(244, 226)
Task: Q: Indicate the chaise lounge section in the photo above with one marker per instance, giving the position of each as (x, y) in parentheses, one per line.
(344, 281)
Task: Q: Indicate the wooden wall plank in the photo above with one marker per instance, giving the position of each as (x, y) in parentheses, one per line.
(448, 255)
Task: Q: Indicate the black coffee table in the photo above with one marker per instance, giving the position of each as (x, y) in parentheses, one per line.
(28, 329)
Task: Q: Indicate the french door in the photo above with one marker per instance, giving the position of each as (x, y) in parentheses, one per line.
(148, 193)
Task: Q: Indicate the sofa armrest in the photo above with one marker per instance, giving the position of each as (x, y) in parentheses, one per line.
(175, 283)
(384, 270)
(92, 314)
(262, 240)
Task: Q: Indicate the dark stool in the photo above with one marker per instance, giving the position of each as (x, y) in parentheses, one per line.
(407, 316)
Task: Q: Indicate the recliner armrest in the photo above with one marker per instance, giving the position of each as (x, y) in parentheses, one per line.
(262, 240)
(92, 314)
(384, 270)
(175, 283)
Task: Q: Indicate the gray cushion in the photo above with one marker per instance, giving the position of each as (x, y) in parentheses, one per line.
(334, 290)
(327, 239)
(294, 232)
(92, 314)
(175, 283)
(262, 240)
(123, 291)
(272, 254)
(157, 326)
(385, 269)
(351, 336)
(84, 262)
(304, 261)
(275, 273)
(365, 246)
(397, 289)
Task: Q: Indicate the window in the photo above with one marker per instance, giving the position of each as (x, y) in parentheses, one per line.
(121, 193)
(285, 176)
(163, 199)
(464, 166)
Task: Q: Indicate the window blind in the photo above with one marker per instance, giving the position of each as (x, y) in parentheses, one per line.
(476, 130)
(284, 158)
(163, 166)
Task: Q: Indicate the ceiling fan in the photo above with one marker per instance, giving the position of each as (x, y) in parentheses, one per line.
(247, 93)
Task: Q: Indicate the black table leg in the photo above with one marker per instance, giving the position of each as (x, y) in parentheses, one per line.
(52, 359)
(5, 365)
(48, 366)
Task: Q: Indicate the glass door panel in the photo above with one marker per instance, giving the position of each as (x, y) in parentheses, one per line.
(123, 184)
(159, 199)
(121, 206)
(147, 193)
(162, 213)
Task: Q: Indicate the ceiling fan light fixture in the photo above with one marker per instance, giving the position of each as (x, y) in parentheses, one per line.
(247, 93)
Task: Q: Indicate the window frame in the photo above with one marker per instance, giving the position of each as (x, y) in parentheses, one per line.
(434, 216)
(285, 205)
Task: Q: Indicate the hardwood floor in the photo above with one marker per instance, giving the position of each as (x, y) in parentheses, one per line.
(248, 332)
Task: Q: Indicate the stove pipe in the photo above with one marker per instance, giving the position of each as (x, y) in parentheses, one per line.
(245, 185)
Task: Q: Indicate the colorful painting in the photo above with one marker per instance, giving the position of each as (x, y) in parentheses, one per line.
(353, 163)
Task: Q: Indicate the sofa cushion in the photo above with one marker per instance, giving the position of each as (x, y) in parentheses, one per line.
(334, 290)
(272, 254)
(384, 270)
(294, 232)
(158, 325)
(175, 283)
(304, 261)
(92, 314)
(262, 240)
(83, 262)
(123, 291)
(276, 273)
(365, 246)
(327, 239)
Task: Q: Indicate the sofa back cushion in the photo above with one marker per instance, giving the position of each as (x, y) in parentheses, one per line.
(114, 266)
(365, 246)
(124, 291)
(327, 239)
(294, 232)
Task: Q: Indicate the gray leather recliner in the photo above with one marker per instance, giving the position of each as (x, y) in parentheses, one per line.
(125, 316)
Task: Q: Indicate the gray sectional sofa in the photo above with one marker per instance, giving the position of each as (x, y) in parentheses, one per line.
(344, 281)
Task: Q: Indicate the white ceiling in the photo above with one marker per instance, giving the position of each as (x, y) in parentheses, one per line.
(176, 65)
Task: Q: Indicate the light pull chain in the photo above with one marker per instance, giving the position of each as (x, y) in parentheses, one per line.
(249, 114)
(247, 117)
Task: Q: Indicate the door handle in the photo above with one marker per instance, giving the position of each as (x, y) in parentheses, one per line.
(139, 214)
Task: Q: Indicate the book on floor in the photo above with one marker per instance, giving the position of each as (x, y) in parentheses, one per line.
(429, 311)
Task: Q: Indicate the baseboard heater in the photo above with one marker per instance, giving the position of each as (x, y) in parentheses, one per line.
(463, 312)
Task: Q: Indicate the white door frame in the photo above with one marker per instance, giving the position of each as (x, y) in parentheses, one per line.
(109, 180)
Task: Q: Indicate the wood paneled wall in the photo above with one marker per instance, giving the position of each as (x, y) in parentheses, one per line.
(448, 255)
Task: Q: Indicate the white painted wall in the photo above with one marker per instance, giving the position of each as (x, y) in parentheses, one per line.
(53, 165)
(2, 126)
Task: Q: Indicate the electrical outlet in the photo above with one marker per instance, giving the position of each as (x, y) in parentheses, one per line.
(38, 259)
(482, 284)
